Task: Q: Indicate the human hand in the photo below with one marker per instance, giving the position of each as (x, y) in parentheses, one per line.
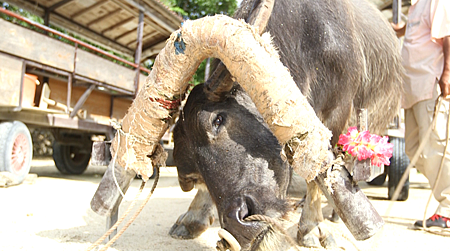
(399, 28)
(444, 84)
(444, 81)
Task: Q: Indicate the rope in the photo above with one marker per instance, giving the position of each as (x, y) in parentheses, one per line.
(130, 207)
(135, 215)
(114, 166)
(415, 157)
(101, 239)
(275, 224)
(413, 162)
(438, 175)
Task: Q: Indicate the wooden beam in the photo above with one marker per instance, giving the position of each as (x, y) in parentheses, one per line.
(167, 30)
(125, 21)
(91, 35)
(137, 55)
(106, 16)
(58, 4)
(124, 34)
(56, 120)
(150, 13)
(72, 26)
(173, 18)
(81, 12)
(149, 35)
(81, 101)
(153, 50)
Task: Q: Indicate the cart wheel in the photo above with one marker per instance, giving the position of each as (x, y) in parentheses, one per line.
(71, 159)
(399, 163)
(16, 149)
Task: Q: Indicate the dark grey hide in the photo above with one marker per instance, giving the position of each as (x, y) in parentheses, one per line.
(228, 146)
(343, 56)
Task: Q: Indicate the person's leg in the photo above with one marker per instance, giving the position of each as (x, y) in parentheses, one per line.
(432, 155)
(438, 141)
(412, 138)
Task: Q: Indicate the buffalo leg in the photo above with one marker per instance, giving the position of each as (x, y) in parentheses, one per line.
(197, 219)
(312, 232)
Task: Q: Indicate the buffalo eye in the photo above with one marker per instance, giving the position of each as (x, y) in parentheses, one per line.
(218, 121)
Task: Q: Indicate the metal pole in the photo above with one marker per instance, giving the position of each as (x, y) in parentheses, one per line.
(396, 11)
(71, 78)
(47, 20)
(24, 67)
(69, 92)
(362, 169)
(137, 56)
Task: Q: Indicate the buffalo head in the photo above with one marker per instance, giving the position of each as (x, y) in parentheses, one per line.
(228, 146)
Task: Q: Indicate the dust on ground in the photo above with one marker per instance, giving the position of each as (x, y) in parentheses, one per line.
(51, 211)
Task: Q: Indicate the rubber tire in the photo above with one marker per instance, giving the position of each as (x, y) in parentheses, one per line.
(12, 135)
(379, 180)
(69, 160)
(399, 163)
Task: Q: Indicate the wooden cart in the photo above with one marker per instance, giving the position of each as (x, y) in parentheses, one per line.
(69, 86)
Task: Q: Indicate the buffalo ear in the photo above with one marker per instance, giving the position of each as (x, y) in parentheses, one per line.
(218, 84)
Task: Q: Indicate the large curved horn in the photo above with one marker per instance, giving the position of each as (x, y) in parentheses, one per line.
(260, 14)
(220, 81)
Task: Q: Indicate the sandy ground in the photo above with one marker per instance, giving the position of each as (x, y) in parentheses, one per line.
(50, 211)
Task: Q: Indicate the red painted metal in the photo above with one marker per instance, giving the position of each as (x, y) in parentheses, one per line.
(19, 153)
(86, 45)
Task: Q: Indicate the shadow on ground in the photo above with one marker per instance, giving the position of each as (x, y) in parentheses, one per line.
(139, 236)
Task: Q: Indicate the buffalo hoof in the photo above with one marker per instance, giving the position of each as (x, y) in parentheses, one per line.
(316, 236)
(189, 225)
(334, 217)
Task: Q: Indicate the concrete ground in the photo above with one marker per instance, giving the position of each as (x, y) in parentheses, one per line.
(50, 211)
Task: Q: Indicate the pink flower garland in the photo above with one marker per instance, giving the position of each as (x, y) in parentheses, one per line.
(365, 145)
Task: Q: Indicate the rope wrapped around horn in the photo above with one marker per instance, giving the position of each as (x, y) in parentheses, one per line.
(255, 65)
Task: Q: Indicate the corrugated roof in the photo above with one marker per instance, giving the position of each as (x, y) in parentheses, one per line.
(110, 23)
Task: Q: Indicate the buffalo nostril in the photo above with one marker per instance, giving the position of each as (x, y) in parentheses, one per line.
(243, 212)
(250, 206)
(238, 213)
(235, 222)
(243, 208)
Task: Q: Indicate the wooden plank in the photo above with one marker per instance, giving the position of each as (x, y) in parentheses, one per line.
(34, 117)
(120, 108)
(10, 79)
(34, 46)
(117, 25)
(97, 105)
(83, 11)
(94, 67)
(142, 79)
(104, 17)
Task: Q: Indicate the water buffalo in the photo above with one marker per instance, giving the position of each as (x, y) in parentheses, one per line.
(343, 55)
